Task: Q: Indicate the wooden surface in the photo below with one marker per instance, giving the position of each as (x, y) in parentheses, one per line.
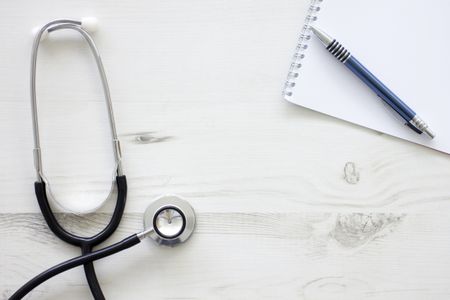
(291, 204)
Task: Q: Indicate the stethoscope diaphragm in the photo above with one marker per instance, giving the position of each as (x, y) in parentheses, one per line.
(171, 218)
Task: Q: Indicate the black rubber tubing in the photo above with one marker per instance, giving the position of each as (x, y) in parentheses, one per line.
(85, 243)
(91, 276)
(75, 262)
(71, 238)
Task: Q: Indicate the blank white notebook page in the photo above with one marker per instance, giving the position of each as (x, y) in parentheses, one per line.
(404, 43)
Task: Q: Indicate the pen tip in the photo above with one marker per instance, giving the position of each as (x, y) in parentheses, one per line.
(323, 37)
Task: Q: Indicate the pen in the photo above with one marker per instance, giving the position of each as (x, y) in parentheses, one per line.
(334, 47)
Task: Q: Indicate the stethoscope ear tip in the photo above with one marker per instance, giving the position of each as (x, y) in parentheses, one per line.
(90, 24)
(169, 220)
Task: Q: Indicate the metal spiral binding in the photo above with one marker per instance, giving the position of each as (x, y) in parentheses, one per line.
(302, 45)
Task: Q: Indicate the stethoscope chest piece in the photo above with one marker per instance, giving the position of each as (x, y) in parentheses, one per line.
(172, 220)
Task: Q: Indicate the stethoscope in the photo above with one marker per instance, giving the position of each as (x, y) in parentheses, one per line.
(169, 220)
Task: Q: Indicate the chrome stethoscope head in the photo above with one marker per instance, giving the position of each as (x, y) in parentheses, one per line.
(169, 220)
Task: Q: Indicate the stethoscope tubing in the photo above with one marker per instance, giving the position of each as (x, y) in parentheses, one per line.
(42, 187)
(59, 231)
(75, 262)
(85, 243)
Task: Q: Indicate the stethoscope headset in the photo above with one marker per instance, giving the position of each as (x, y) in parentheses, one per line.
(169, 220)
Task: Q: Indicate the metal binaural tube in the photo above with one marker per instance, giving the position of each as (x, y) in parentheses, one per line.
(74, 25)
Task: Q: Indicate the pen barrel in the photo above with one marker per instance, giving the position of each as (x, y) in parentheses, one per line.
(380, 89)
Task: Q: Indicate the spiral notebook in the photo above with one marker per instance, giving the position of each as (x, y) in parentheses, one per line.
(404, 43)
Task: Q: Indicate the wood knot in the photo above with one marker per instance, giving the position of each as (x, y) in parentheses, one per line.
(148, 138)
(351, 174)
(356, 229)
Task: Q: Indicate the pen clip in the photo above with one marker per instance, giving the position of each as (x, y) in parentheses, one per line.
(413, 128)
(398, 117)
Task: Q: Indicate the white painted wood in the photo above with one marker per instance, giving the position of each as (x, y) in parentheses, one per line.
(249, 256)
(291, 204)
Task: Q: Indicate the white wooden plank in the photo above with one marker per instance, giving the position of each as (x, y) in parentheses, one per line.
(285, 255)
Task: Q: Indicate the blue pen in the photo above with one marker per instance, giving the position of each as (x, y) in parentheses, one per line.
(412, 119)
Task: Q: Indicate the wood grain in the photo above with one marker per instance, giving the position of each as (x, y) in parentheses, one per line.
(291, 204)
(280, 255)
